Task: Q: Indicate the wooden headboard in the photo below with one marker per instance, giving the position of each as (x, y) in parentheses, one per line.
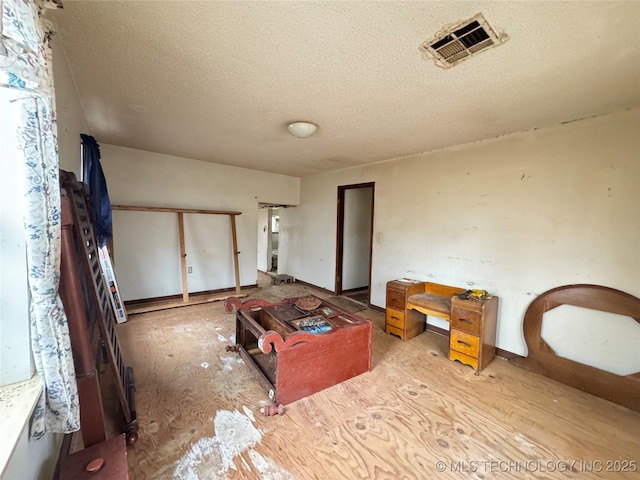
(623, 390)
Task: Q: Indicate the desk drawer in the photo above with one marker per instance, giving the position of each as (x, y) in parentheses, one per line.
(466, 359)
(399, 332)
(395, 318)
(464, 343)
(466, 320)
(396, 299)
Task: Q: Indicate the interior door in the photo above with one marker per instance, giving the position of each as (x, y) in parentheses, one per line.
(354, 237)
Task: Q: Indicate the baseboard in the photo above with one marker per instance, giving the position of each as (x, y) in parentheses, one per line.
(307, 284)
(437, 330)
(377, 308)
(506, 354)
(142, 301)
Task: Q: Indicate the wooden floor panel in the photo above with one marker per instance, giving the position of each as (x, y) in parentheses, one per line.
(414, 409)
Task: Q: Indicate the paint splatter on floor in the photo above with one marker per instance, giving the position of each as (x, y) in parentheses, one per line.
(248, 413)
(212, 457)
(229, 361)
(268, 468)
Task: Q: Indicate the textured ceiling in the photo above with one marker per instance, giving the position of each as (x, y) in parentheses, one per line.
(219, 81)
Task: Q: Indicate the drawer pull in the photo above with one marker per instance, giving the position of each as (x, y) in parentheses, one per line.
(395, 318)
(466, 344)
(466, 320)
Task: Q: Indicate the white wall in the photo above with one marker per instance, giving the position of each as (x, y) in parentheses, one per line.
(516, 215)
(264, 256)
(15, 345)
(33, 459)
(71, 120)
(146, 254)
(357, 236)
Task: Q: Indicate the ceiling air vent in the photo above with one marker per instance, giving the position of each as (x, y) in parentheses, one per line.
(454, 44)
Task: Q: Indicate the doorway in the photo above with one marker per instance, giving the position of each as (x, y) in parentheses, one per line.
(354, 241)
(268, 233)
(274, 222)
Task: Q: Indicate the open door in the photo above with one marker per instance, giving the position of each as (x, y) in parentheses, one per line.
(354, 240)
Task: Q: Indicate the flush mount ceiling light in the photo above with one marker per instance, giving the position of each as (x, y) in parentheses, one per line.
(302, 129)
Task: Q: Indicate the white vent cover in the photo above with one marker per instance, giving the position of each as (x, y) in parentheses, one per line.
(454, 44)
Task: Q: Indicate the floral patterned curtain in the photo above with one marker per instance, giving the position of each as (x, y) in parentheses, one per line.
(25, 67)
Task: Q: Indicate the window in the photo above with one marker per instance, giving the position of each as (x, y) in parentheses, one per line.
(15, 345)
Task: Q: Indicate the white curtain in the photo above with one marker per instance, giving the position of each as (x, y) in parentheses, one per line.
(25, 67)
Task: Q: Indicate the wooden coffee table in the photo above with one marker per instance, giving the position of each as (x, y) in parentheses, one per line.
(292, 363)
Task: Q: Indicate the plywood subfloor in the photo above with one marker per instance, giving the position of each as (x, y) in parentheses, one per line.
(199, 412)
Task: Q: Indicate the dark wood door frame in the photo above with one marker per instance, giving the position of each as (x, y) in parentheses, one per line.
(340, 233)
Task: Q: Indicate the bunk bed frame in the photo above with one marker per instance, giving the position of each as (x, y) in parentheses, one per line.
(92, 321)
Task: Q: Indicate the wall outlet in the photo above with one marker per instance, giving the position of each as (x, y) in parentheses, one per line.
(190, 270)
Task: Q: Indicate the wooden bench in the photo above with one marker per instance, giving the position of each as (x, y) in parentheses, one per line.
(435, 301)
(409, 300)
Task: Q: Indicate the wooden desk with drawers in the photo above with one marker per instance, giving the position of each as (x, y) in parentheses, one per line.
(472, 332)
